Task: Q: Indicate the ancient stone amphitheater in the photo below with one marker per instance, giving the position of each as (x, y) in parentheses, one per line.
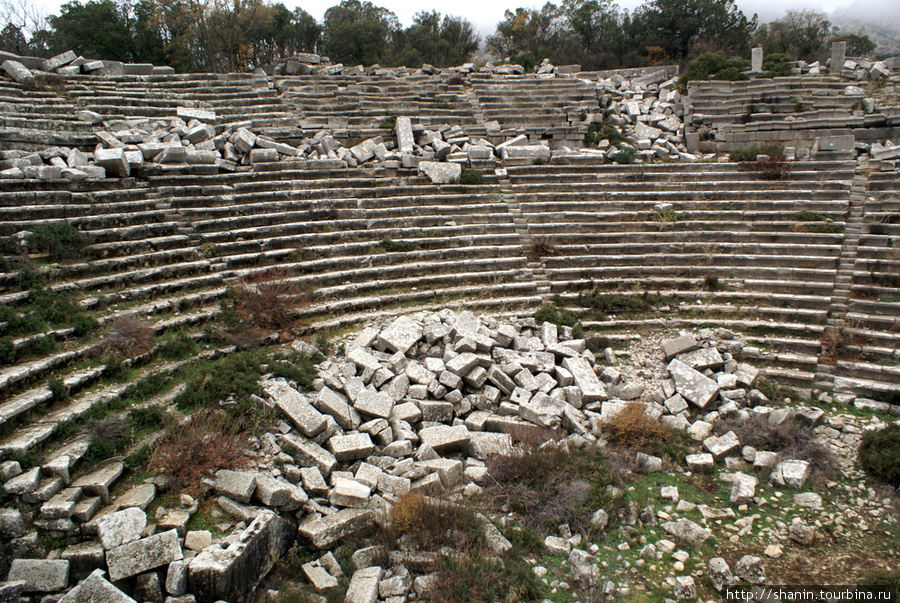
(209, 181)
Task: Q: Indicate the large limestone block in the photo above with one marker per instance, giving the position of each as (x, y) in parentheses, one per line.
(233, 573)
(693, 385)
(96, 589)
(687, 531)
(143, 555)
(400, 336)
(326, 532)
(296, 406)
(405, 140)
(584, 377)
(121, 527)
(376, 404)
(364, 586)
(19, 73)
(40, 575)
(441, 173)
(59, 60)
(310, 454)
(443, 437)
(679, 345)
(113, 161)
(332, 403)
(351, 447)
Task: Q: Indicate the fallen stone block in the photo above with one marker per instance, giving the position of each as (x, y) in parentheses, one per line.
(95, 589)
(400, 336)
(310, 454)
(584, 378)
(233, 573)
(326, 532)
(687, 531)
(351, 447)
(238, 485)
(143, 555)
(40, 575)
(296, 406)
(19, 73)
(443, 438)
(121, 527)
(364, 585)
(441, 173)
(693, 385)
(113, 161)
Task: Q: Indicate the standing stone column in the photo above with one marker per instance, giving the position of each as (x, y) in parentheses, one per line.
(756, 60)
(838, 57)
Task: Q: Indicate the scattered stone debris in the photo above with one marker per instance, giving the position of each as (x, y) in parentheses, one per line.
(418, 404)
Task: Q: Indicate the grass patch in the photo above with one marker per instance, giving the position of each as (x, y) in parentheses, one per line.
(556, 315)
(391, 246)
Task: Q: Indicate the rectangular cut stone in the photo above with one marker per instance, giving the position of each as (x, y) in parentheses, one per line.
(40, 575)
(405, 140)
(58, 61)
(364, 586)
(349, 493)
(444, 437)
(363, 359)
(94, 589)
(483, 444)
(679, 345)
(376, 404)
(703, 358)
(296, 406)
(461, 365)
(143, 555)
(756, 60)
(441, 173)
(693, 385)
(326, 532)
(332, 403)
(496, 376)
(364, 150)
(207, 116)
(233, 573)
(310, 454)
(351, 447)
(584, 377)
(400, 336)
(113, 161)
(98, 481)
(237, 485)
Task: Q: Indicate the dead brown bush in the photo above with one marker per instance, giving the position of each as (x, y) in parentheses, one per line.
(129, 337)
(434, 523)
(633, 428)
(265, 299)
(196, 449)
(839, 341)
(542, 246)
(791, 439)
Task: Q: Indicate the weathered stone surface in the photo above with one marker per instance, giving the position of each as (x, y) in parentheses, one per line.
(441, 173)
(326, 532)
(334, 404)
(687, 531)
(693, 385)
(99, 481)
(722, 445)
(143, 555)
(443, 438)
(96, 589)
(113, 161)
(703, 358)
(400, 336)
(791, 473)
(310, 454)
(351, 447)
(584, 377)
(296, 406)
(679, 345)
(364, 586)
(743, 489)
(40, 575)
(375, 404)
(238, 485)
(404, 130)
(750, 569)
(685, 588)
(719, 573)
(19, 73)
(121, 527)
(232, 574)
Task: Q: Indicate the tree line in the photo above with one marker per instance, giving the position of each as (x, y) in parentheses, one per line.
(238, 35)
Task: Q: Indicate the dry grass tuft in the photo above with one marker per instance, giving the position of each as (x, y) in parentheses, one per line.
(129, 337)
(633, 428)
(196, 449)
(434, 523)
(265, 299)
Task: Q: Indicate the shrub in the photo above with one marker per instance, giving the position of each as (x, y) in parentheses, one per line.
(714, 66)
(597, 132)
(388, 123)
(264, 299)
(667, 214)
(480, 576)
(744, 154)
(179, 348)
(470, 176)
(233, 376)
(878, 454)
(84, 325)
(129, 337)
(60, 240)
(541, 246)
(434, 523)
(791, 439)
(778, 64)
(838, 342)
(397, 246)
(633, 429)
(558, 316)
(299, 369)
(772, 165)
(197, 448)
(58, 389)
(626, 155)
(144, 417)
(108, 437)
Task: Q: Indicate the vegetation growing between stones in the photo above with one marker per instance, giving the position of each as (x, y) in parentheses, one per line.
(879, 452)
(266, 299)
(471, 176)
(713, 65)
(61, 241)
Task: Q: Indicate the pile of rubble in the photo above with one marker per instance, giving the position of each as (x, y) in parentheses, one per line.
(69, 64)
(191, 142)
(417, 404)
(649, 111)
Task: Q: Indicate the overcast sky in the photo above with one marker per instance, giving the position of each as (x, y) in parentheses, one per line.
(485, 14)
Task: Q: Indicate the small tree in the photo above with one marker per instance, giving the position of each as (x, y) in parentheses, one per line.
(59, 240)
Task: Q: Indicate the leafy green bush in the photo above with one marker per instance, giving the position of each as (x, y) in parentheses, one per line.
(299, 369)
(60, 240)
(878, 454)
(58, 389)
(713, 65)
(470, 176)
(744, 154)
(556, 315)
(626, 155)
(388, 123)
(236, 375)
(778, 64)
(597, 132)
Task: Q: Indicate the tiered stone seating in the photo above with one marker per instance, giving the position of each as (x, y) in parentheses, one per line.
(355, 243)
(544, 109)
(234, 97)
(32, 120)
(792, 110)
(353, 106)
(730, 241)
